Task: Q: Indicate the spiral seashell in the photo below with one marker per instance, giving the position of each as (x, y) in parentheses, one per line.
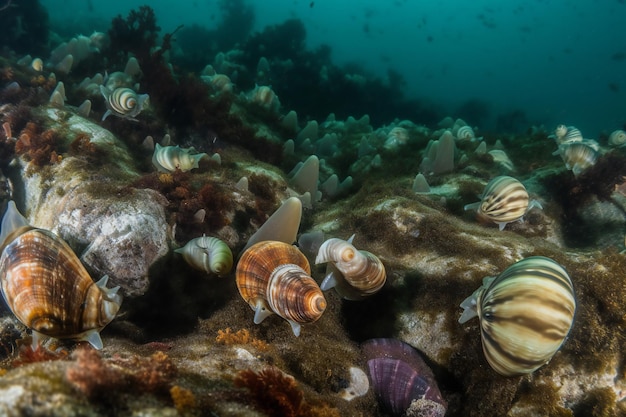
(208, 254)
(123, 102)
(560, 132)
(171, 158)
(504, 200)
(48, 289)
(570, 135)
(402, 380)
(577, 156)
(275, 277)
(617, 138)
(525, 314)
(353, 273)
(465, 133)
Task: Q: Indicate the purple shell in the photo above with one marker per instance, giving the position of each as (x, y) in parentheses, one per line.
(399, 375)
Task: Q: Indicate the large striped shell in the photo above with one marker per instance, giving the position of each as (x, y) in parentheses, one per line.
(577, 156)
(525, 314)
(275, 277)
(208, 254)
(504, 200)
(568, 134)
(353, 273)
(171, 158)
(123, 102)
(48, 289)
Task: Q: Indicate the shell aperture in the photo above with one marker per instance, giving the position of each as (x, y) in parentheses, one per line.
(525, 314)
(353, 273)
(208, 254)
(123, 102)
(49, 290)
(504, 200)
(275, 277)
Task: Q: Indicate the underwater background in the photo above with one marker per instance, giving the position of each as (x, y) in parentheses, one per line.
(553, 61)
(312, 208)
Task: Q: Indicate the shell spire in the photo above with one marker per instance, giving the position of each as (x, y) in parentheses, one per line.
(123, 102)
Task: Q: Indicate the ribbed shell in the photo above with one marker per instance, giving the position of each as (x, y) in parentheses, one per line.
(617, 138)
(362, 270)
(171, 158)
(278, 274)
(123, 101)
(465, 133)
(525, 315)
(48, 289)
(572, 135)
(208, 254)
(294, 295)
(504, 200)
(578, 156)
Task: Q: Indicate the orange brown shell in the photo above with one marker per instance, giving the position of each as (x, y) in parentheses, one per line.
(48, 289)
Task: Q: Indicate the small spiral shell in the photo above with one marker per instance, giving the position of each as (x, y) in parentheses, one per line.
(617, 138)
(355, 274)
(208, 254)
(525, 314)
(123, 102)
(171, 158)
(275, 277)
(48, 289)
(504, 200)
(465, 133)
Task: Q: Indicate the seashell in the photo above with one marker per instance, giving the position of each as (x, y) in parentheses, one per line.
(265, 97)
(46, 286)
(504, 200)
(617, 138)
(525, 314)
(397, 136)
(570, 135)
(171, 158)
(37, 64)
(208, 254)
(275, 277)
(123, 102)
(401, 379)
(577, 156)
(353, 273)
(465, 133)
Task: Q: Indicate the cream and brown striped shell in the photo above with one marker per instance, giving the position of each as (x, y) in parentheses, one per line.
(504, 200)
(48, 289)
(617, 138)
(171, 158)
(525, 314)
(123, 102)
(577, 156)
(353, 273)
(275, 277)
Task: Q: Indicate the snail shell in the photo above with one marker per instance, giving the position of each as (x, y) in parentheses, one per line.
(123, 102)
(504, 200)
(577, 156)
(208, 254)
(617, 138)
(353, 273)
(275, 277)
(572, 135)
(465, 133)
(525, 314)
(48, 289)
(171, 158)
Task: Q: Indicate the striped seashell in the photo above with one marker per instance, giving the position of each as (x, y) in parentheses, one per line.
(123, 102)
(465, 133)
(577, 156)
(525, 314)
(48, 289)
(572, 135)
(171, 158)
(353, 273)
(208, 254)
(275, 277)
(504, 200)
(560, 132)
(617, 138)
